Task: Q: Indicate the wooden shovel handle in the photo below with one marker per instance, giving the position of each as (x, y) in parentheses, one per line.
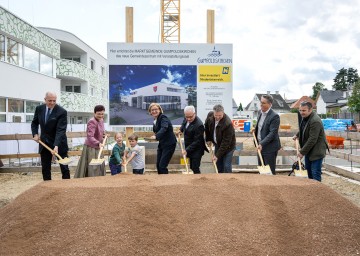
(212, 156)
(182, 149)
(102, 147)
(258, 150)
(297, 153)
(51, 150)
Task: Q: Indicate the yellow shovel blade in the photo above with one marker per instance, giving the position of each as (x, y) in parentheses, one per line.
(301, 173)
(64, 161)
(265, 170)
(97, 161)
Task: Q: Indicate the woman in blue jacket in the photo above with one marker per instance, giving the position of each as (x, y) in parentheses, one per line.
(164, 133)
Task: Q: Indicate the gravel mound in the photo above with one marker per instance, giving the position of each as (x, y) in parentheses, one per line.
(204, 214)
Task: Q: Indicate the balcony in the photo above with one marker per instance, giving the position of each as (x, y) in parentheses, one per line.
(79, 102)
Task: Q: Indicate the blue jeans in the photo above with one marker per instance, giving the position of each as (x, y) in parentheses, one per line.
(314, 168)
(115, 169)
(224, 164)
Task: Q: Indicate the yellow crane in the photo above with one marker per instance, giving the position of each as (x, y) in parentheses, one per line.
(170, 21)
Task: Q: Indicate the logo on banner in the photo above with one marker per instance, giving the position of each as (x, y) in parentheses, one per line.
(214, 53)
(155, 88)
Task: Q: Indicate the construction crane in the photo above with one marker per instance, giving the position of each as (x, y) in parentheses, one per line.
(170, 21)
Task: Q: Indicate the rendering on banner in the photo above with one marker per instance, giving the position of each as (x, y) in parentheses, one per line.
(173, 75)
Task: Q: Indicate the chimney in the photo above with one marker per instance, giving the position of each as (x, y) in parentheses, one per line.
(276, 92)
(268, 92)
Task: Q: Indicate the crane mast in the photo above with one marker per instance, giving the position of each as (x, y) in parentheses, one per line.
(170, 21)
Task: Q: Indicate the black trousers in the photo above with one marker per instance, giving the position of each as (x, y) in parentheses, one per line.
(269, 159)
(163, 158)
(195, 164)
(46, 158)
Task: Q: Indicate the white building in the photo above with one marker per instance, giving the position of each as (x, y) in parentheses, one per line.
(169, 96)
(33, 62)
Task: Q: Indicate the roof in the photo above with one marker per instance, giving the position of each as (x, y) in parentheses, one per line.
(278, 103)
(331, 96)
(336, 105)
(234, 104)
(290, 101)
(303, 98)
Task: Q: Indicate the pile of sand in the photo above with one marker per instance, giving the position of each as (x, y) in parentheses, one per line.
(209, 214)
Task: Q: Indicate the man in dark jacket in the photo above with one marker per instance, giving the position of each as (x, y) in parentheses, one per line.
(220, 131)
(52, 120)
(267, 132)
(312, 140)
(193, 129)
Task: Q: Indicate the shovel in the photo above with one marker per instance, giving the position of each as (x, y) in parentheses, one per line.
(301, 172)
(212, 156)
(99, 160)
(62, 161)
(182, 149)
(263, 169)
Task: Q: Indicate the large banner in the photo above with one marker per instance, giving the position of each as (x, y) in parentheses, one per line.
(173, 75)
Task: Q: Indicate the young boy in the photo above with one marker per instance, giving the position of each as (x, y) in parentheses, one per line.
(117, 157)
(135, 156)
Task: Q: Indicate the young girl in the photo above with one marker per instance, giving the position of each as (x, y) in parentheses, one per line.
(134, 155)
(117, 157)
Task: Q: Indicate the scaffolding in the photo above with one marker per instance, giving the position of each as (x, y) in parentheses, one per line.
(170, 21)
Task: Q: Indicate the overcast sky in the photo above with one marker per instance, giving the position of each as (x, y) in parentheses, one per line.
(279, 45)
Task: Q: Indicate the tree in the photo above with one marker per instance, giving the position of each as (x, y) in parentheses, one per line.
(240, 108)
(317, 87)
(354, 99)
(345, 78)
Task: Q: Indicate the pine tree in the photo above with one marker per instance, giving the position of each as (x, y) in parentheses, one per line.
(240, 108)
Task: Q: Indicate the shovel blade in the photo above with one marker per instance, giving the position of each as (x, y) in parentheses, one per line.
(64, 161)
(97, 161)
(301, 173)
(265, 170)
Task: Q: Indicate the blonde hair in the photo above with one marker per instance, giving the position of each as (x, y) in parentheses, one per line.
(156, 105)
(116, 134)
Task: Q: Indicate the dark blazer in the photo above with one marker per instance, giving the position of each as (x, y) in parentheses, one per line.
(164, 131)
(225, 134)
(270, 140)
(53, 132)
(313, 139)
(194, 138)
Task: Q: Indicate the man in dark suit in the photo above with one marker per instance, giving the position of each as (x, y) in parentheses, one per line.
(52, 120)
(267, 132)
(193, 129)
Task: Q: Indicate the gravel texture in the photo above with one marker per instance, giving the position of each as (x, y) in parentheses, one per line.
(229, 214)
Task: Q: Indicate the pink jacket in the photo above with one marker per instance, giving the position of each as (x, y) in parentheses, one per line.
(94, 133)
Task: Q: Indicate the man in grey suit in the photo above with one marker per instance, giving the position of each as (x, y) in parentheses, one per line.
(267, 132)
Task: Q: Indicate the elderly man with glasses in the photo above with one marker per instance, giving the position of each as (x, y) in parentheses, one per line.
(193, 129)
(312, 140)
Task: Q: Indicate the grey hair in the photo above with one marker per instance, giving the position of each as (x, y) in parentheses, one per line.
(306, 103)
(218, 108)
(269, 98)
(189, 108)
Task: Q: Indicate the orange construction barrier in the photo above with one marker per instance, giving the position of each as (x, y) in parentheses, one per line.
(335, 142)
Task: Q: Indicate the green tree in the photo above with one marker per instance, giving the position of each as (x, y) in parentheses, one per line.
(240, 108)
(345, 78)
(317, 87)
(354, 99)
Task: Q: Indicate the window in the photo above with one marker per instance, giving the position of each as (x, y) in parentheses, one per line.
(79, 120)
(102, 71)
(31, 105)
(2, 118)
(31, 59)
(92, 64)
(46, 65)
(14, 52)
(73, 88)
(16, 106)
(77, 59)
(2, 47)
(92, 91)
(29, 118)
(2, 105)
